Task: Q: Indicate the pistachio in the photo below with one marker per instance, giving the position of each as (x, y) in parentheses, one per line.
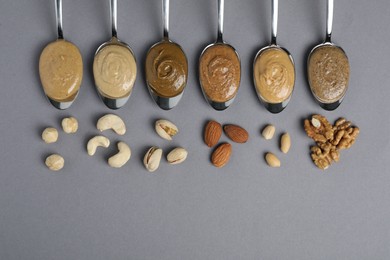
(152, 158)
(268, 132)
(166, 129)
(177, 155)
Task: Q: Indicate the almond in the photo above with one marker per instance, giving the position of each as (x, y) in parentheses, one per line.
(212, 133)
(221, 155)
(236, 133)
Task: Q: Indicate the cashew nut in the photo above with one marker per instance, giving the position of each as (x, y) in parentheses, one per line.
(111, 121)
(55, 162)
(50, 135)
(121, 158)
(95, 142)
(70, 125)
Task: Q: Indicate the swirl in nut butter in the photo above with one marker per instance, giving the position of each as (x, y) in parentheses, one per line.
(114, 70)
(274, 75)
(220, 73)
(61, 70)
(166, 69)
(329, 71)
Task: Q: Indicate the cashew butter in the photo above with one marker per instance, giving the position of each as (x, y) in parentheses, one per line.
(166, 69)
(328, 71)
(274, 75)
(114, 70)
(61, 70)
(220, 72)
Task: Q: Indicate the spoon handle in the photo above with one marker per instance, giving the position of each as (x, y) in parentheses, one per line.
(275, 9)
(114, 14)
(59, 18)
(221, 8)
(329, 21)
(165, 14)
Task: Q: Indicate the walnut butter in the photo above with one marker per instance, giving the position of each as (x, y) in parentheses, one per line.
(114, 70)
(61, 70)
(166, 69)
(220, 72)
(274, 75)
(328, 71)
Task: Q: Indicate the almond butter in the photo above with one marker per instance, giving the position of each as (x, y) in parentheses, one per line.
(212, 133)
(236, 133)
(221, 155)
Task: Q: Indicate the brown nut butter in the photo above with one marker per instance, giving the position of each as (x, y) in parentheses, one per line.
(274, 75)
(220, 72)
(61, 70)
(114, 70)
(328, 71)
(166, 69)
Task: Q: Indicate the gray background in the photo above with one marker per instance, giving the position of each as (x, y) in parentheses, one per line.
(193, 210)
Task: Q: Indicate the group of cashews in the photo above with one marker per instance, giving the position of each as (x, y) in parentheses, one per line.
(114, 122)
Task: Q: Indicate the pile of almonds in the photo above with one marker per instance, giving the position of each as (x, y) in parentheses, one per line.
(213, 132)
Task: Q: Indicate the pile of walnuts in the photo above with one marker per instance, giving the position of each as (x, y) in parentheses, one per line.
(329, 139)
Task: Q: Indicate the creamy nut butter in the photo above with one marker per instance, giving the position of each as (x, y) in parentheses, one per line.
(114, 70)
(166, 69)
(61, 70)
(220, 72)
(328, 71)
(274, 75)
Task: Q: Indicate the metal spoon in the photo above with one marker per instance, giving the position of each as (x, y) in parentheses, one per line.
(167, 102)
(111, 102)
(218, 105)
(273, 107)
(328, 43)
(67, 102)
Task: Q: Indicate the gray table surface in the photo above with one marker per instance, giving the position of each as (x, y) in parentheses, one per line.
(193, 210)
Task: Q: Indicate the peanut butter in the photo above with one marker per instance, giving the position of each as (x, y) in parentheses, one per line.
(61, 70)
(220, 72)
(328, 71)
(274, 75)
(114, 70)
(166, 69)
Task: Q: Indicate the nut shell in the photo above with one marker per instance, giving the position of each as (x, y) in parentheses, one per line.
(236, 133)
(152, 158)
(221, 156)
(177, 155)
(212, 133)
(166, 129)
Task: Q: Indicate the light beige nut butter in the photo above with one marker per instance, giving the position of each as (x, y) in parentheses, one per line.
(274, 75)
(166, 69)
(220, 72)
(61, 70)
(328, 71)
(114, 70)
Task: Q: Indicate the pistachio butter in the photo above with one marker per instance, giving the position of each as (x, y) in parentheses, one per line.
(61, 70)
(114, 70)
(166, 69)
(328, 72)
(274, 75)
(220, 72)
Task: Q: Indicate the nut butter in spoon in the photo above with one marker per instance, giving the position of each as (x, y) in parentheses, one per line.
(274, 71)
(220, 69)
(166, 68)
(328, 69)
(114, 68)
(61, 68)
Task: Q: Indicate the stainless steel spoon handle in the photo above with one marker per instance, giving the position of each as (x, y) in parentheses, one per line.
(165, 14)
(221, 8)
(275, 9)
(114, 14)
(58, 5)
(329, 21)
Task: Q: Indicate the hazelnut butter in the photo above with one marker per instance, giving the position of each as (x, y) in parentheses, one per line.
(220, 72)
(61, 70)
(328, 71)
(114, 70)
(274, 75)
(166, 69)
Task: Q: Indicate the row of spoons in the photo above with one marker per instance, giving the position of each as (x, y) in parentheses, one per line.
(115, 70)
